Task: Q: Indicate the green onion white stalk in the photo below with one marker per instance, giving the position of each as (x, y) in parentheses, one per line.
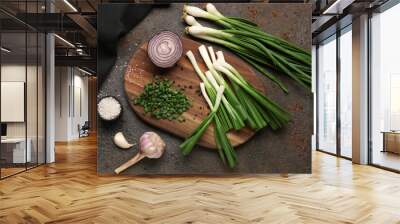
(223, 115)
(212, 54)
(243, 53)
(190, 20)
(198, 12)
(240, 23)
(237, 96)
(239, 110)
(211, 9)
(205, 95)
(229, 117)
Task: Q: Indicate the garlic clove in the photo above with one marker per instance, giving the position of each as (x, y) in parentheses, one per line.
(121, 142)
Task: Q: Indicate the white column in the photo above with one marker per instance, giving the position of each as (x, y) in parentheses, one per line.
(50, 92)
(314, 90)
(360, 90)
(50, 100)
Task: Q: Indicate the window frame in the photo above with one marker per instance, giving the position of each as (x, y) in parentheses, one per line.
(338, 33)
(27, 29)
(380, 9)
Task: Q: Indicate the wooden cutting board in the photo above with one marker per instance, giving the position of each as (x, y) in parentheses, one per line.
(141, 71)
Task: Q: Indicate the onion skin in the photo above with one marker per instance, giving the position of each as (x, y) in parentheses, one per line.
(165, 49)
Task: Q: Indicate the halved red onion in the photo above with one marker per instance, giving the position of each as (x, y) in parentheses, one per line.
(165, 49)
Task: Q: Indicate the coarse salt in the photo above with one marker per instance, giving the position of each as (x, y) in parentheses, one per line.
(109, 108)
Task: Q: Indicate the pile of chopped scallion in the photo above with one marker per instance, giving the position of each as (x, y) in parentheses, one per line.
(162, 101)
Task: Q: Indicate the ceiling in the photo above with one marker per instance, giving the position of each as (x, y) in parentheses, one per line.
(74, 22)
(16, 42)
(332, 15)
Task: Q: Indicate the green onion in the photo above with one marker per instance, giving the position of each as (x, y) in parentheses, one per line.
(224, 146)
(225, 149)
(257, 110)
(255, 46)
(190, 142)
(255, 120)
(230, 101)
(245, 55)
(217, 76)
(238, 123)
(238, 22)
(223, 115)
(279, 115)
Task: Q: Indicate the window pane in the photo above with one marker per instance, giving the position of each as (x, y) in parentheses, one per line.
(327, 96)
(385, 114)
(15, 150)
(346, 94)
(31, 97)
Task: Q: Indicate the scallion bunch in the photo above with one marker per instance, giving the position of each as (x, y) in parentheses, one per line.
(244, 104)
(247, 40)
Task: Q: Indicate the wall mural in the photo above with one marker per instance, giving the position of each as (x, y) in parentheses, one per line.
(204, 89)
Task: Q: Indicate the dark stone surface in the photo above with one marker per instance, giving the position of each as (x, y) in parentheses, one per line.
(285, 151)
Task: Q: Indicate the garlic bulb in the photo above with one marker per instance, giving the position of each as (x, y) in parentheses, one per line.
(121, 142)
(151, 146)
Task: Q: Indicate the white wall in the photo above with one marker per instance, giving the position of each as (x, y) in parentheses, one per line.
(13, 73)
(313, 88)
(62, 81)
(80, 110)
(16, 73)
(71, 94)
(33, 127)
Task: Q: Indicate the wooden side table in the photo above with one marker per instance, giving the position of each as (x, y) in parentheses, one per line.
(391, 141)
